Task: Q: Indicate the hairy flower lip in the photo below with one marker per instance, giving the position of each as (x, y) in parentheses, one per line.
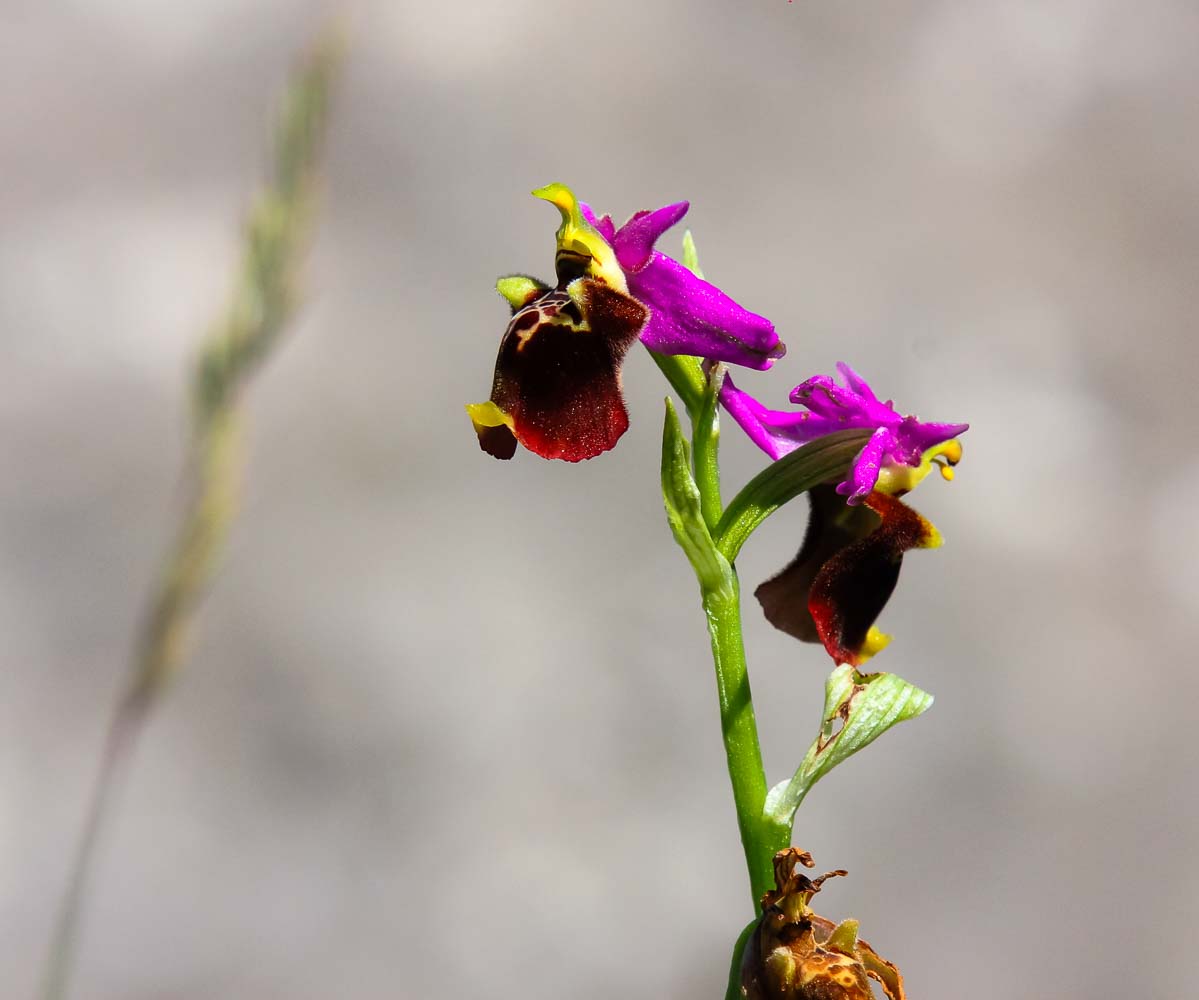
(556, 388)
(848, 566)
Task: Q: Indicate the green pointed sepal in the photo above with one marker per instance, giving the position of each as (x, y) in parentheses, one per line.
(690, 255)
(519, 289)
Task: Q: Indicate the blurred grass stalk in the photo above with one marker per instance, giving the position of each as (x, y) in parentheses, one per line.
(264, 300)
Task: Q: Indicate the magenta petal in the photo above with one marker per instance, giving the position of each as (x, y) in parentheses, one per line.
(634, 241)
(776, 432)
(822, 395)
(607, 229)
(690, 316)
(864, 473)
(922, 436)
(832, 407)
(768, 429)
(687, 314)
(855, 382)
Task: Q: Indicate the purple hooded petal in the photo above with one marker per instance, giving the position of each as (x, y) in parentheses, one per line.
(634, 241)
(777, 433)
(844, 404)
(691, 316)
(822, 395)
(916, 437)
(687, 314)
(863, 474)
(897, 440)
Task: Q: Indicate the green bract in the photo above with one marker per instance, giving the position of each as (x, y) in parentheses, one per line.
(858, 709)
(684, 509)
(784, 480)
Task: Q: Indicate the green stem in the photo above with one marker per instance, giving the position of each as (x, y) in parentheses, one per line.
(705, 448)
(759, 840)
(734, 988)
(686, 378)
(696, 505)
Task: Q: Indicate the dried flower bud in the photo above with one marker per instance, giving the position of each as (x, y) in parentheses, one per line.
(795, 954)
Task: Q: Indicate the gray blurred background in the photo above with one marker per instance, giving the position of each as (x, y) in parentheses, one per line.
(450, 726)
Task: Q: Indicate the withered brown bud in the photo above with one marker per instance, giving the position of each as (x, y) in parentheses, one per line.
(795, 954)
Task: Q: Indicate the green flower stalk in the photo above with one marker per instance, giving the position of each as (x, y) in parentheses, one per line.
(264, 301)
(686, 498)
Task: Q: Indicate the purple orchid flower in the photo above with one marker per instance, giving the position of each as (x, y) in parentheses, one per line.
(897, 441)
(556, 389)
(848, 565)
(687, 314)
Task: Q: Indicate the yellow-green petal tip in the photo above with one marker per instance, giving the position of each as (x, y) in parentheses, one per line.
(581, 248)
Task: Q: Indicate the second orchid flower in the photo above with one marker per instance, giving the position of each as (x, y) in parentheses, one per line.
(848, 565)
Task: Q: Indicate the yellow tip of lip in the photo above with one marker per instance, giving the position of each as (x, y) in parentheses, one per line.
(487, 414)
(876, 641)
